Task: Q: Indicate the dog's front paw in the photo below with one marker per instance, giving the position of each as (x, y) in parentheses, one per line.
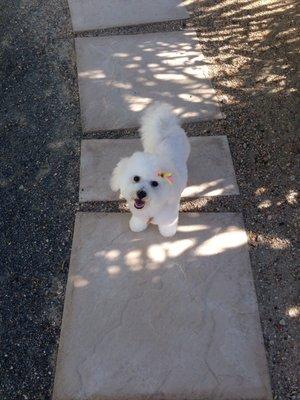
(137, 225)
(167, 230)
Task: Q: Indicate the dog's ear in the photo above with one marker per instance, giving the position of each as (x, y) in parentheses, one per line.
(116, 178)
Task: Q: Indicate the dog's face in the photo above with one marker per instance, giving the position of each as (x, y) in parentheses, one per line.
(138, 180)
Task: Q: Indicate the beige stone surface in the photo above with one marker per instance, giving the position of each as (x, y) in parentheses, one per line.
(152, 318)
(211, 172)
(120, 75)
(99, 14)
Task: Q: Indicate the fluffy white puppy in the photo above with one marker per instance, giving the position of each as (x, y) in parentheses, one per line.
(152, 181)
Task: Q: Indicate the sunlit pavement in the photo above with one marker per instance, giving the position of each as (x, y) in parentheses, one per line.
(121, 75)
(211, 172)
(147, 317)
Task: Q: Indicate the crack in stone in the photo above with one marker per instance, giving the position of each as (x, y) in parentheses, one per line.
(213, 374)
(208, 281)
(82, 388)
(119, 323)
(153, 328)
(160, 386)
(98, 343)
(182, 270)
(117, 237)
(207, 351)
(120, 319)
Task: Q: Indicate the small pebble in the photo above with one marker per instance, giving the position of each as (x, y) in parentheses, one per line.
(282, 322)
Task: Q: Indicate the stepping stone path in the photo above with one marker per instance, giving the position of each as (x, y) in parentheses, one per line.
(121, 75)
(147, 317)
(210, 167)
(99, 14)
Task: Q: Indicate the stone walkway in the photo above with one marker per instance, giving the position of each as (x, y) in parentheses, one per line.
(146, 317)
(95, 14)
(210, 167)
(165, 319)
(121, 75)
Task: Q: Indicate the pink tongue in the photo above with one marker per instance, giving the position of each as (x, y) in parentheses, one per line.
(139, 203)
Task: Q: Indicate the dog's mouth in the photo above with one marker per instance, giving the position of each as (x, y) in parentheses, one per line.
(139, 204)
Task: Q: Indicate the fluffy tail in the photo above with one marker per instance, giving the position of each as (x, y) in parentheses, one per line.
(157, 123)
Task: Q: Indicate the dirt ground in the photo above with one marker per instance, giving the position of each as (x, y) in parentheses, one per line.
(253, 48)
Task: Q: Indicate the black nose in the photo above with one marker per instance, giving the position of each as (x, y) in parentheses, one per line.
(141, 194)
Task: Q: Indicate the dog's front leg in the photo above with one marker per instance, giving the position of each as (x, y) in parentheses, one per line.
(168, 230)
(137, 224)
(167, 220)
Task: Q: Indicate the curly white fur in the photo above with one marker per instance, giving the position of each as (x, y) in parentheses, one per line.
(166, 149)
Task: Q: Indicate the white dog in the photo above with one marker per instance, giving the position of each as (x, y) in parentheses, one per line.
(152, 181)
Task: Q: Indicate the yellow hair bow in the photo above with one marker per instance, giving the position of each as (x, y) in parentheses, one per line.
(167, 176)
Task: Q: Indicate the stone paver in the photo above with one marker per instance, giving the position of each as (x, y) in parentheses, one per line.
(165, 318)
(210, 167)
(98, 14)
(120, 75)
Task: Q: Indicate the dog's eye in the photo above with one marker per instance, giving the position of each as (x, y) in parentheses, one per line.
(136, 178)
(154, 183)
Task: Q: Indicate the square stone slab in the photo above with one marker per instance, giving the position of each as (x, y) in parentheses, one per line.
(211, 172)
(99, 14)
(120, 75)
(147, 317)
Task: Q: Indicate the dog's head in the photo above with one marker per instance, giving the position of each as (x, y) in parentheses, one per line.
(144, 180)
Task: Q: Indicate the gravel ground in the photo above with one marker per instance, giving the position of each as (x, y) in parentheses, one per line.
(252, 49)
(39, 156)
